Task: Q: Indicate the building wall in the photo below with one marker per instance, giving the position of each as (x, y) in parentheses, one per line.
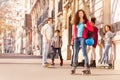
(40, 11)
(115, 21)
(35, 14)
(51, 7)
(30, 23)
(69, 7)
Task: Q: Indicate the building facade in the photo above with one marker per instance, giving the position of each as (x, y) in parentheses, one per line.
(106, 12)
(63, 11)
(115, 21)
(38, 13)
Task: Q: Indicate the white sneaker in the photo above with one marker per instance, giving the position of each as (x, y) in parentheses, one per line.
(99, 64)
(45, 64)
(107, 65)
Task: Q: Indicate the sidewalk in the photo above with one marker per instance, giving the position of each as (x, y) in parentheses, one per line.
(31, 69)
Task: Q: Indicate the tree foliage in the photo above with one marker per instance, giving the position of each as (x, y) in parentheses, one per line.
(4, 9)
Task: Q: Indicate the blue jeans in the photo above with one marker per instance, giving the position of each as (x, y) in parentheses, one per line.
(46, 47)
(79, 43)
(59, 52)
(105, 54)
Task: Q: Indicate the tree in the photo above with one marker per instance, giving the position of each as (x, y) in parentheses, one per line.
(4, 9)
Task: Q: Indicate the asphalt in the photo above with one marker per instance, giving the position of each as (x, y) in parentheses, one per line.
(31, 69)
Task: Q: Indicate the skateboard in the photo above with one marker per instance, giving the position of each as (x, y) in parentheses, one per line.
(105, 67)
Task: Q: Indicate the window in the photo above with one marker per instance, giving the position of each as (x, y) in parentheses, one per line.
(53, 13)
(60, 6)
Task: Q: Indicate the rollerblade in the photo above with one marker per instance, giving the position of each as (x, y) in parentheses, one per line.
(93, 63)
(81, 63)
(86, 72)
(73, 70)
(74, 66)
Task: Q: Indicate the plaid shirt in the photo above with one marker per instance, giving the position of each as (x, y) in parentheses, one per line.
(56, 42)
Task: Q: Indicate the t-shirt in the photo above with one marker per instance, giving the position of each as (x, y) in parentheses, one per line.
(80, 28)
(108, 37)
(49, 32)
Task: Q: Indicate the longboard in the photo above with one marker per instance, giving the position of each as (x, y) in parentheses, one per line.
(104, 67)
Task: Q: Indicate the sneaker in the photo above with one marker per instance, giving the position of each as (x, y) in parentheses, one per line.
(61, 63)
(107, 65)
(99, 64)
(53, 63)
(45, 64)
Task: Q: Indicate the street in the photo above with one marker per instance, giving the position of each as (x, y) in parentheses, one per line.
(31, 69)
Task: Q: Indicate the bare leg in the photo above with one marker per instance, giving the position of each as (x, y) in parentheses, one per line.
(100, 52)
(93, 54)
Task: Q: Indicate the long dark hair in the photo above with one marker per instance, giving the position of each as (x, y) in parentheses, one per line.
(77, 18)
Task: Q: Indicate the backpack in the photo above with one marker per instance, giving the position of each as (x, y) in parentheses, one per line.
(89, 41)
